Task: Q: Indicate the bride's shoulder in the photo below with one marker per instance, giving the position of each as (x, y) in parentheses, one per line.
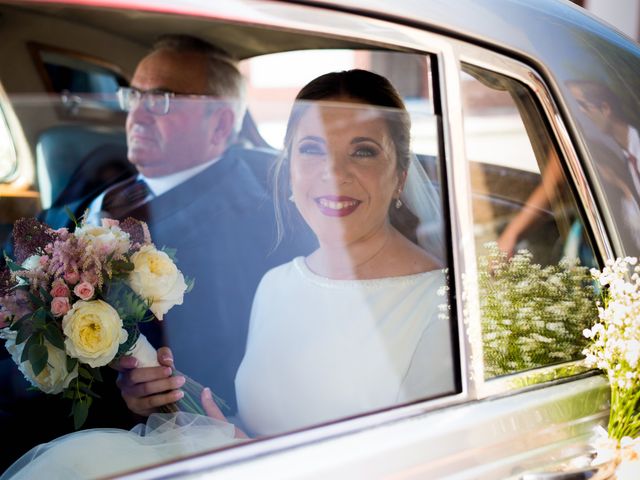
(282, 271)
(417, 260)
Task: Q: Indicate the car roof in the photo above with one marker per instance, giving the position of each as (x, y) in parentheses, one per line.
(542, 32)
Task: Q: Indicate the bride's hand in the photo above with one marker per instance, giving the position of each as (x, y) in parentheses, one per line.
(144, 390)
(212, 410)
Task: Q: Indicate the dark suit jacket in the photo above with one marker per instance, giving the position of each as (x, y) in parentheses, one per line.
(221, 223)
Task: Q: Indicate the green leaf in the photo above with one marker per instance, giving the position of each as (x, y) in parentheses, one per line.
(190, 284)
(85, 373)
(85, 389)
(130, 306)
(13, 266)
(71, 215)
(54, 335)
(71, 364)
(171, 252)
(32, 340)
(35, 300)
(81, 412)
(18, 324)
(39, 319)
(46, 295)
(24, 334)
(122, 266)
(97, 374)
(38, 356)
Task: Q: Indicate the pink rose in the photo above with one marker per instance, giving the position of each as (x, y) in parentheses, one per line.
(71, 276)
(59, 289)
(89, 277)
(110, 222)
(84, 290)
(43, 260)
(60, 306)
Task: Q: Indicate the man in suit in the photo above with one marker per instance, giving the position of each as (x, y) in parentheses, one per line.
(209, 200)
(202, 196)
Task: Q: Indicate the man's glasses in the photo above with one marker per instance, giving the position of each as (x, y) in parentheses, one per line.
(586, 106)
(157, 103)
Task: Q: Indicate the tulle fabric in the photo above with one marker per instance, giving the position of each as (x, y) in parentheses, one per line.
(103, 452)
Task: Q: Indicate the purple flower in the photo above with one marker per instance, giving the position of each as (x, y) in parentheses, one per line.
(5, 281)
(30, 237)
(138, 232)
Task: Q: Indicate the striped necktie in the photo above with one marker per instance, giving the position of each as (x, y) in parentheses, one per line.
(124, 197)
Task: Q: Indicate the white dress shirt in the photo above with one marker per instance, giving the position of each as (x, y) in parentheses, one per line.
(157, 185)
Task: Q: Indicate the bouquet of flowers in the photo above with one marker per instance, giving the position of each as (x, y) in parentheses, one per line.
(615, 348)
(72, 302)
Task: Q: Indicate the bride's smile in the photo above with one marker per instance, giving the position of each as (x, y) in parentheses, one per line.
(337, 205)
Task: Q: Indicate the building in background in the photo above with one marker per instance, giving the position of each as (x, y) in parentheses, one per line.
(622, 14)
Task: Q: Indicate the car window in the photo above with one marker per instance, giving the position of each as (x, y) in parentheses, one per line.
(533, 248)
(284, 338)
(68, 71)
(8, 158)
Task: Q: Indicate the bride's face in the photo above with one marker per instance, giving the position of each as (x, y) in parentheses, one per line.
(344, 171)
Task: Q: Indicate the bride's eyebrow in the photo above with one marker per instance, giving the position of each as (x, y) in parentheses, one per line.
(312, 138)
(364, 139)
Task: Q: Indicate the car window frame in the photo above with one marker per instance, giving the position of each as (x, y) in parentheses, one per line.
(579, 179)
(448, 54)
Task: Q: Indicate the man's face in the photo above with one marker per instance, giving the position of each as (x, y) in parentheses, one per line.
(163, 144)
(600, 114)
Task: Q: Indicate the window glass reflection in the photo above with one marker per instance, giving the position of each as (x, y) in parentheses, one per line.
(534, 253)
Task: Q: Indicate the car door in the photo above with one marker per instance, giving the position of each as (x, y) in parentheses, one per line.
(491, 131)
(497, 133)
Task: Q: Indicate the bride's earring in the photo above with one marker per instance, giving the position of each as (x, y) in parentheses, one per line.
(398, 203)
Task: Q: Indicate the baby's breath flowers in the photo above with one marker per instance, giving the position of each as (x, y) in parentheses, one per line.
(615, 343)
(532, 315)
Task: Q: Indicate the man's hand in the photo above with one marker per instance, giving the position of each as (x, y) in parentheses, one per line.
(144, 390)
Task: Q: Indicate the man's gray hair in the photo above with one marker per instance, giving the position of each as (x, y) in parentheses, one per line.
(224, 78)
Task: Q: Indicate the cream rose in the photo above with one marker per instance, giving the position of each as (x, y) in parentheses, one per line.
(105, 240)
(156, 278)
(54, 377)
(94, 332)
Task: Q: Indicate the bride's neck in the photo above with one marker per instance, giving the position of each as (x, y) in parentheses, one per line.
(357, 260)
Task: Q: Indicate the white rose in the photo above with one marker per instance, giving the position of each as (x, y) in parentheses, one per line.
(156, 278)
(54, 377)
(31, 263)
(94, 332)
(105, 240)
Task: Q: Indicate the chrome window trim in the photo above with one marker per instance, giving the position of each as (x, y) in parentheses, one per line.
(517, 70)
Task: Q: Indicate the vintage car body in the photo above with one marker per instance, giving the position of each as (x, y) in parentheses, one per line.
(489, 428)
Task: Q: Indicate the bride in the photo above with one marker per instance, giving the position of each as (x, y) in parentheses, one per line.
(352, 327)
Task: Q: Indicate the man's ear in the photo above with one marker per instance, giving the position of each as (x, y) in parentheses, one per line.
(605, 108)
(223, 123)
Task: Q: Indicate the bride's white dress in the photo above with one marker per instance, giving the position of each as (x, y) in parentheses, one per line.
(318, 350)
(102, 452)
(321, 349)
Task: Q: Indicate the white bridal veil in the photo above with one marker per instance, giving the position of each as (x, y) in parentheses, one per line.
(422, 199)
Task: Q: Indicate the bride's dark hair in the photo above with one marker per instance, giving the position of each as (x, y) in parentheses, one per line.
(368, 88)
